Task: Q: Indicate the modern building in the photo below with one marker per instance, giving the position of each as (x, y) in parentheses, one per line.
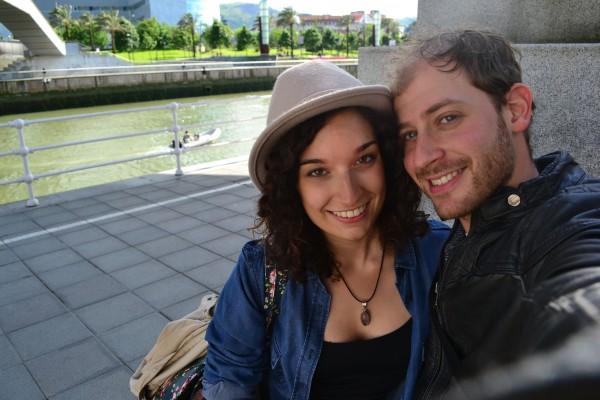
(168, 11)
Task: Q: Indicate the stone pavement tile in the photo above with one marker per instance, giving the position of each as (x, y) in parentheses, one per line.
(78, 363)
(158, 214)
(169, 291)
(69, 275)
(42, 211)
(183, 308)
(94, 211)
(180, 224)
(81, 203)
(127, 203)
(17, 384)
(248, 191)
(56, 259)
(90, 291)
(136, 338)
(99, 247)
(61, 218)
(33, 248)
(113, 312)
(214, 214)
(30, 311)
(163, 246)
(7, 256)
(251, 235)
(142, 235)
(235, 223)
(49, 335)
(21, 289)
(120, 259)
(85, 235)
(142, 274)
(226, 245)
(243, 207)
(222, 199)
(203, 233)
(140, 189)
(209, 181)
(8, 354)
(123, 224)
(186, 259)
(13, 271)
(112, 196)
(214, 274)
(17, 229)
(190, 207)
(113, 385)
(182, 187)
(158, 194)
(134, 364)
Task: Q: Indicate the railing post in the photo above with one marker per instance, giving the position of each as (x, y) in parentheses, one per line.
(176, 148)
(27, 176)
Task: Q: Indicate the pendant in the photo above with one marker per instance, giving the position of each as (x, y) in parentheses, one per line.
(365, 315)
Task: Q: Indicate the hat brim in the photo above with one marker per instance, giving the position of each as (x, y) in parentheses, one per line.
(375, 97)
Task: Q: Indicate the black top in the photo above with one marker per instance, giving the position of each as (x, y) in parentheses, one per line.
(366, 370)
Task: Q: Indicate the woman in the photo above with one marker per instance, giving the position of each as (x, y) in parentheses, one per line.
(338, 216)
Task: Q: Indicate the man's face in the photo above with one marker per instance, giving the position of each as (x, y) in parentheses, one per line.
(458, 148)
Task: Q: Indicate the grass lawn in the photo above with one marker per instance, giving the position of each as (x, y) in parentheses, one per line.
(150, 56)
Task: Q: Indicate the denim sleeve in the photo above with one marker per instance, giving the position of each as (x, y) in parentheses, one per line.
(236, 335)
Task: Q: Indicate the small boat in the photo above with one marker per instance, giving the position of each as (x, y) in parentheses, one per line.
(198, 139)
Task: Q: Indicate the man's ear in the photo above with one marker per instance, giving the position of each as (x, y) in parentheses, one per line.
(519, 103)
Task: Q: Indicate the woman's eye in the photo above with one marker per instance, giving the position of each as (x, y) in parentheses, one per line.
(366, 159)
(317, 172)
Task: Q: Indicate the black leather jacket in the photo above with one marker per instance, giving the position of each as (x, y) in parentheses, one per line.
(525, 278)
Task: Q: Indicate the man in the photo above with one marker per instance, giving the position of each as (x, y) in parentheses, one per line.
(520, 272)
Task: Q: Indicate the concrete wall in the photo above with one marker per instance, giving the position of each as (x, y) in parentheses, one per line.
(75, 58)
(32, 86)
(522, 21)
(566, 83)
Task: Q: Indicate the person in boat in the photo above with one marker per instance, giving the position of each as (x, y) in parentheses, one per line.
(353, 257)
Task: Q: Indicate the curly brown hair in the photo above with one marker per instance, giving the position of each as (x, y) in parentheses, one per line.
(292, 241)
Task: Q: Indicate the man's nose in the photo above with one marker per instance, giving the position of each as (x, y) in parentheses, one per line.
(426, 150)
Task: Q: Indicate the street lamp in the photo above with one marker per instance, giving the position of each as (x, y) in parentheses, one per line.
(295, 20)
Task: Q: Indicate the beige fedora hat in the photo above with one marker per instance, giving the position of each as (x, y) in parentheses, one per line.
(305, 91)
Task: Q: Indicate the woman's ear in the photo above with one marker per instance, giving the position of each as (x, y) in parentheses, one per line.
(519, 105)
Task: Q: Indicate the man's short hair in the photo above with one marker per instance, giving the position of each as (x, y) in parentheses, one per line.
(489, 61)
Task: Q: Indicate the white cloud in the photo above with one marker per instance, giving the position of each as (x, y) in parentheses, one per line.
(390, 8)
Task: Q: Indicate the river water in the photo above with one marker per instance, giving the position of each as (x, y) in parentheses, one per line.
(239, 116)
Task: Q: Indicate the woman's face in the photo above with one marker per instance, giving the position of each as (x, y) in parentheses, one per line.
(341, 178)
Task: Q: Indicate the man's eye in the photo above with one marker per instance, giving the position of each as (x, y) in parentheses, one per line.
(408, 135)
(317, 172)
(446, 119)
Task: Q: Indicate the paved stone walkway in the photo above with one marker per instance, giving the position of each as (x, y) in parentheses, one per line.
(90, 277)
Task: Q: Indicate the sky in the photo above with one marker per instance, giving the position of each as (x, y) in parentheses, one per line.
(390, 8)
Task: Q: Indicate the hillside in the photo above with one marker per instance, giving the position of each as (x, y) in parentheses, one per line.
(238, 14)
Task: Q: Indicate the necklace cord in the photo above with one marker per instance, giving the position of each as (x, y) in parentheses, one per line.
(376, 283)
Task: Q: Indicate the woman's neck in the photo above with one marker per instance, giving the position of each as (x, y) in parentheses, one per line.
(356, 253)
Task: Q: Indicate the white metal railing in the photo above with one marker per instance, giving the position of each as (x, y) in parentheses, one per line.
(28, 177)
(154, 68)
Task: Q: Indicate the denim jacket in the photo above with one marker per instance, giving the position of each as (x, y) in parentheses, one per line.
(237, 360)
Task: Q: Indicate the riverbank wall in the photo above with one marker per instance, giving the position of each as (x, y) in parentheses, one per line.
(42, 94)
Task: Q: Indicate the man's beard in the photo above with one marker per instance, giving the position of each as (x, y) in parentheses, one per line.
(495, 169)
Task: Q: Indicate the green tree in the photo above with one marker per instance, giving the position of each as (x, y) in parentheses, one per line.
(165, 39)
(149, 32)
(218, 35)
(312, 40)
(244, 38)
(90, 23)
(346, 21)
(127, 38)
(182, 38)
(189, 22)
(61, 20)
(284, 39)
(329, 40)
(288, 17)
(113, 23)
